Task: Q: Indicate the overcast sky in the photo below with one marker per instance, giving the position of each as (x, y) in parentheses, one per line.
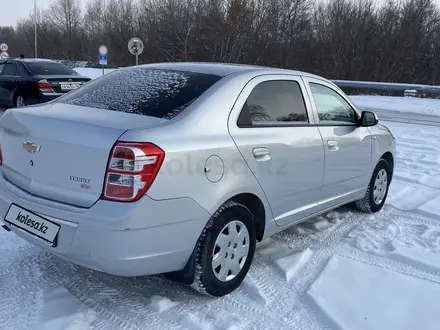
(12, 10)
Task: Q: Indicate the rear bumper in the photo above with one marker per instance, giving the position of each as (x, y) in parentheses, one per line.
(125, 239)
(46, 97)
(42, 99)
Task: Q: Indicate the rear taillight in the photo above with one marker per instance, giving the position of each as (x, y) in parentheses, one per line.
(44, 86)
(1, 155)
(131, 170)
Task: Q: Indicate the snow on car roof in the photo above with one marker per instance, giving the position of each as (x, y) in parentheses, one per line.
(35, 60)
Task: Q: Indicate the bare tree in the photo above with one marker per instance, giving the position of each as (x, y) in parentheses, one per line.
(65, 15)
(392, 40)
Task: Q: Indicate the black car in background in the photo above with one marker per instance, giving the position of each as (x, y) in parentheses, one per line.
(31, 81)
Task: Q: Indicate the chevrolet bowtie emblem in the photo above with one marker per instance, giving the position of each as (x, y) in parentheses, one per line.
(31, 147)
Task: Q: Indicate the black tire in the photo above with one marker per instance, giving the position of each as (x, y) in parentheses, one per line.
(16, 98)
(367, 204)
(198, 272)
(204, 280)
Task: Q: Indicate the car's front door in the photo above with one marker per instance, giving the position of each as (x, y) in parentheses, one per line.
(347, 145)
(8, 77)
(274, 130)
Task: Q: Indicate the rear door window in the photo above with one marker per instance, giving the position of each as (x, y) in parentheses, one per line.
(273, 102)
(43, 68)
(10, 69)
(144, 91)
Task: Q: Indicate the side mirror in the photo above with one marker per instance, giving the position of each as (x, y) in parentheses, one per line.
(368, 118)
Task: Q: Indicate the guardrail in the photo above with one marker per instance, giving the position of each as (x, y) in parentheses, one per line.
(384, 86)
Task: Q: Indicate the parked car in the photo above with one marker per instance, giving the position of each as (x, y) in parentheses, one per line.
(31, 81)
(81, 64)
(69, 64)
(181, 168)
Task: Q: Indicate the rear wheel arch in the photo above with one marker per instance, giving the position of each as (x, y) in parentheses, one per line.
(26, 91)
(16, 93)
(256, 207)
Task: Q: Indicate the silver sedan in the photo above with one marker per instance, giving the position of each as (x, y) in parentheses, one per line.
(181, 168)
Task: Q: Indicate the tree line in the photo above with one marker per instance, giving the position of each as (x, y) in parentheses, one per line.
(394, 41)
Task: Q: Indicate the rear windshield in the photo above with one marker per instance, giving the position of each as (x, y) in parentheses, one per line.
(50, 69)
(144, 91)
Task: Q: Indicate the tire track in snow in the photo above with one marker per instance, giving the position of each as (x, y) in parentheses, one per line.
(381, 236)
(423, 273)
(416, 184)
(327, 249)
(286, 300)
(260, 282)
(105, 314)
(293, 289)
(241, 302)
(322, 252)
(21, 291)
(136, 296)
(318, 245)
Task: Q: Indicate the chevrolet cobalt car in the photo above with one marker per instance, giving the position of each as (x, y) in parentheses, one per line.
(181, 168)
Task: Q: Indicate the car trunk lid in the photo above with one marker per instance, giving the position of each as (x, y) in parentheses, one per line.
(60, 151)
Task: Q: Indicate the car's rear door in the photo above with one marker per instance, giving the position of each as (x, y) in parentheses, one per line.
(8, 82)
(275, 133)
(7, 77)
(348, 155)
(2, 66)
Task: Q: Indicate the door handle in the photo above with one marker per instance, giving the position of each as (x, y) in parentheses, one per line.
(261, 154)
(333, 145)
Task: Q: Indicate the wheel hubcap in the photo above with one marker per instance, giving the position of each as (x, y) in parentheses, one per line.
(230, 251)
(20, 102)
(380, 186)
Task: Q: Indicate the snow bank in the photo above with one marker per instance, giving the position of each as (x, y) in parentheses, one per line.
(400, 104)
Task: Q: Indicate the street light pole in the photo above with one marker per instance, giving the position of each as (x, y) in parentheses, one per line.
(35, 26)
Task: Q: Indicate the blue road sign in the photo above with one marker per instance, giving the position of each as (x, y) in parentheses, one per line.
(103, 59)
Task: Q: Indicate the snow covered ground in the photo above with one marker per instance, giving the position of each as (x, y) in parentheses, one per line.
(344, 270)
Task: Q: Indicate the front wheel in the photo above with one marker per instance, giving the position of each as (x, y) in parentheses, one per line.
(377, 190)
(225, 250)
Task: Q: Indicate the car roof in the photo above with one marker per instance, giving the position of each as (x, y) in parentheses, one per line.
(27, 60)
(224, 69)
(33, 60)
